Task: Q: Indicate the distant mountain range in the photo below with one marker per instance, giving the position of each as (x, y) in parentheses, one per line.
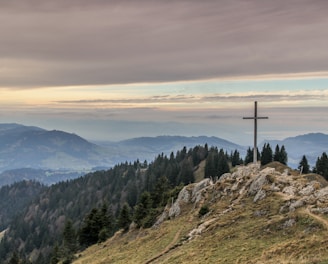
(311, 145)
(33, 147)
(57, 155)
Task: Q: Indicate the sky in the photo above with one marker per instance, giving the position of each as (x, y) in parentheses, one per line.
(116, 69)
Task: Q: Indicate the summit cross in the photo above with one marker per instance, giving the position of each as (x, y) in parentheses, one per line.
(255, 117)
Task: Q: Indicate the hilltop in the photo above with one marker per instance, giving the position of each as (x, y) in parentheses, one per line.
(252, 215)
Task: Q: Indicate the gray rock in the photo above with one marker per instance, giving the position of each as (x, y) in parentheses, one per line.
(289, 223)
(198, 188)
(290, 190)
(322, 194)
(261, 194)
(257, 184)
(295, 205)
(320, 210)
(307, 190)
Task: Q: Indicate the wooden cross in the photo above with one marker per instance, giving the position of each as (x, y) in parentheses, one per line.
(255, 117)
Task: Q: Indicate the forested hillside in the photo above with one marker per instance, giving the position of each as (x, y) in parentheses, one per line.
(61, 216)
(15, 197)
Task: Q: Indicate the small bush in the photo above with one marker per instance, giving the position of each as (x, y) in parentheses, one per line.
(203, 210)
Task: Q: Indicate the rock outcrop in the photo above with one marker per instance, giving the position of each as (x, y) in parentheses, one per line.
(250, 181)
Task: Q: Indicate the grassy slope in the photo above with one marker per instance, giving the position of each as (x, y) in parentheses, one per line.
(239, 236)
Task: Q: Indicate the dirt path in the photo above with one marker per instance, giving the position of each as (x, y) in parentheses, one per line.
(322, 220)
(167, 249)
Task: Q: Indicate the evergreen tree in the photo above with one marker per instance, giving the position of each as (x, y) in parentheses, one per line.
(321, 166)
(187, 172)
(14, 259)
(106, 223)
(283, 155)
(55, 255)
(159, 195)
(89, 232)
(304, 165)
(280, 155)
(69, 237)
(249, 156)
(276, 156)
(223, 166)
(235, 159)
(124, 219)
(266, 154)
(143, 208)
(211, 163)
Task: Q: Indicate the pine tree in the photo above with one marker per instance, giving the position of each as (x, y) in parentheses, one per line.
(303, 165)
(14, 259)
(266, 155)
(249, 156)
(280, 155)
(276, 156)
(89, 232)
(283, 155)
(223, 166)
(69, 237)
(211, 163)
(322, 165)
(124, 219)
(235, 159)
(143, 208)
(187, 173)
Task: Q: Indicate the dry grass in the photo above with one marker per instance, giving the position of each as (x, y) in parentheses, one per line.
(250, 233)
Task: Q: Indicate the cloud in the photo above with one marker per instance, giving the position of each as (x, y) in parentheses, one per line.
(186, 101)
(80, 42)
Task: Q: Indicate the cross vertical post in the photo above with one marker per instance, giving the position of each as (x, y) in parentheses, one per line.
(255, 117)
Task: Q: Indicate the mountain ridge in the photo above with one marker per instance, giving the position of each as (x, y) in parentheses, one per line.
(255, 215)
(33, 147)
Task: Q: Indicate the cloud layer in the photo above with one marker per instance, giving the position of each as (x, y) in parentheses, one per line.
(80, 42)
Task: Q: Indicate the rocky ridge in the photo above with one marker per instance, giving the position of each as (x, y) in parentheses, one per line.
(296, 191)
(254, 215)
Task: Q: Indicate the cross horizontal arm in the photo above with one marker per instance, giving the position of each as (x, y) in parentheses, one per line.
(264, 117)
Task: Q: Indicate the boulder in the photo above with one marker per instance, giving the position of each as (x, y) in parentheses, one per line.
(322, 195)
(290, 190)
(261, 194)
(258, 183)
(199, 188)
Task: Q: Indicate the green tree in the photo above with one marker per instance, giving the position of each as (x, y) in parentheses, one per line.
(223, 166)
(69, 237)
(321, 166)
(266, 154)
(14, 259)
(55, 255)
(283, 155)
(124, 218)
(143, 208)
(304, 165)
(249, 156)
(89, 232)
(211, 163)
(187, 172)
(280, 155)
(276, 156)
(235, 159)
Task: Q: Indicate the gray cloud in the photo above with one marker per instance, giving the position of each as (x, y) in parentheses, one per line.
(80, 42)
(192, 99)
